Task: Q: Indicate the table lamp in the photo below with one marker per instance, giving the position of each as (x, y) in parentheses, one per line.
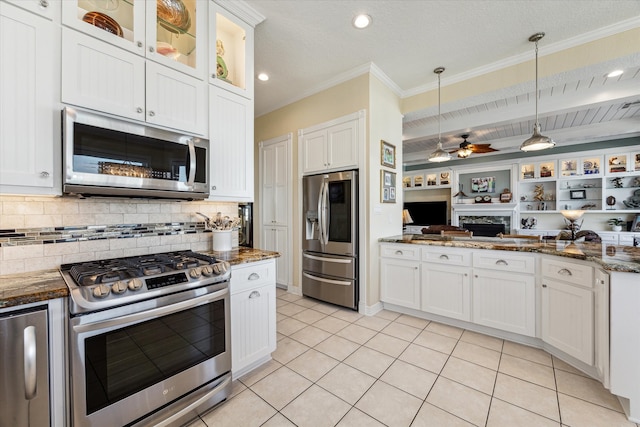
(406, 218)
(572, 217)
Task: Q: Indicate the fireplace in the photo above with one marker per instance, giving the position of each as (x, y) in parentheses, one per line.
(488, 230)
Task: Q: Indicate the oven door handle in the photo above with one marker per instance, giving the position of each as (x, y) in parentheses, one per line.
(149, 314)
(186, 409)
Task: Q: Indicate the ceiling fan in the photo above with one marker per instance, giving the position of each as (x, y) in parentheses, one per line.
(466, 148)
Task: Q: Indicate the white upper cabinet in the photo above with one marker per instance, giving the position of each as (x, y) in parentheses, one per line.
(173, 33)
(45, 8)
(590, 166)
(230, 51)
(29, 101)
(102, 77)
(231, 146)
(330, 148)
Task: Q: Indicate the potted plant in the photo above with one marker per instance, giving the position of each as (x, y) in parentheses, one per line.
(616, 223)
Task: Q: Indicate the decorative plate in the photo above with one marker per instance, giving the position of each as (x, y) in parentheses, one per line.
(173, 16)
(587, 165)
(103, 22)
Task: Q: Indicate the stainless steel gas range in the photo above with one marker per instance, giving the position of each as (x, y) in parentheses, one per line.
(149, 340)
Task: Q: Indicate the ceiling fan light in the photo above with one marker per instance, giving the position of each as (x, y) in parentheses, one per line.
(537, 141)
(463, 153)
(439, 155)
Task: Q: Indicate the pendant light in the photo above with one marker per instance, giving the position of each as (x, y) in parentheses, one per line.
(439, 155)
(537, 141)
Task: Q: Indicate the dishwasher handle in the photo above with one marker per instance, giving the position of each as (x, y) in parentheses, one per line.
(30, 365)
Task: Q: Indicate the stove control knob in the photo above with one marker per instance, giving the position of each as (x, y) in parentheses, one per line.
(207, 270)
(221, 267)
(135, 284)
(194, 273)
(101, 291)
(119, 287)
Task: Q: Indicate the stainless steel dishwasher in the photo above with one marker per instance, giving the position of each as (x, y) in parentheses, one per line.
(24, 379)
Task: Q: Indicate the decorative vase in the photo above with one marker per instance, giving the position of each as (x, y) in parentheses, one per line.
(616, 227)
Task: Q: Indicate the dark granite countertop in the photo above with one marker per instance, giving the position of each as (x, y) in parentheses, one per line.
(34, 286)
(609, 257)
(242, 255)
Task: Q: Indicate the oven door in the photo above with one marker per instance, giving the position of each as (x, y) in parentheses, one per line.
(131, 361)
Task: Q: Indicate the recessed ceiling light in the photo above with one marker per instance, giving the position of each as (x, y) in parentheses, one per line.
(263, 77)
(615, 73)
(361, 21)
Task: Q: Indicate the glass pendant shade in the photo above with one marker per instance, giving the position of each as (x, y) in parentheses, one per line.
(537, 140)
(439, 155)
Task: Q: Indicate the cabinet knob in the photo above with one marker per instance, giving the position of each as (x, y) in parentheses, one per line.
(544, 286)
(44, 174)
(213, 76)
(44, 3)
(465, 274)
(475, 275)
(151, 49)
(139, 110)
(254, 294)
(139, 43)
(152, 113)
(213, 187)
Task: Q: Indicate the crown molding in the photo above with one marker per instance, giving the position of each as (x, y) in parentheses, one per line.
(243, 11)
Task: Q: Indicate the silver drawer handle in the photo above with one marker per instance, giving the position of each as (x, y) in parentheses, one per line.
(565, 272)
(254, 276)
(30, 373)
(399, 252)
(254, 294)
(443, 256)
(501, 262)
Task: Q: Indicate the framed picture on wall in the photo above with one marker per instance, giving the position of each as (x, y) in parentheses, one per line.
(387, 154)
(483, 185)
(387, 186)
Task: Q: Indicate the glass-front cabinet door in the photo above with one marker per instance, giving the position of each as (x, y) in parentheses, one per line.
(230, 52)
(538, 170)
(118, 22)
(171, 32)
(579, 166)
(176, 34)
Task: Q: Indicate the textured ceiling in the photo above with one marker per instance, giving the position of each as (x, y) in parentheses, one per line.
(306, 46)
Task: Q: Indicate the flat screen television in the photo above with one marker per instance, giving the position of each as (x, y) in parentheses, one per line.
(427, 213)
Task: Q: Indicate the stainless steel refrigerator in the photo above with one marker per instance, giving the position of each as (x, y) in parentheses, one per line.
(330, 238)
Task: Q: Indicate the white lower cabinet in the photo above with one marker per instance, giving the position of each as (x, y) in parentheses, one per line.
(253, 315)
(276, 238)
(400, 275)
(503, 292)
(568, 308)
(505, 301)
(446, 282)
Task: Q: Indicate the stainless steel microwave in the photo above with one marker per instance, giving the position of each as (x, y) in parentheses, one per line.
(108, 156)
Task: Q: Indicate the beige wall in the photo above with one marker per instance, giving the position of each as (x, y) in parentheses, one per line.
(384, 121)
(598, 51)
(337, 101)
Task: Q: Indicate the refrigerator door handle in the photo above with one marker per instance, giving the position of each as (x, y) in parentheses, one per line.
(319, 222)
(330, 281)
(335, 260)
(326, 216)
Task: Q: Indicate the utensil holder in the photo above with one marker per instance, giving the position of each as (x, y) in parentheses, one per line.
(221, 240)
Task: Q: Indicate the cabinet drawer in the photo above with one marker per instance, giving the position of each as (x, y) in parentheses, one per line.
(611, 238)
(627, 239)
(569, 272)
(400, 251)
(447, 256)
(248, 276)
(504, 261)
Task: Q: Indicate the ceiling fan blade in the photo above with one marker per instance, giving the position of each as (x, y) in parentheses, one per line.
(482, 148)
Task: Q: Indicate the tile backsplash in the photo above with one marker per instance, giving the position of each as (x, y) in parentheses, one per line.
(43, 232)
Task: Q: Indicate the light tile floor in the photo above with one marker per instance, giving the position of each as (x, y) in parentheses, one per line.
(335, 367)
